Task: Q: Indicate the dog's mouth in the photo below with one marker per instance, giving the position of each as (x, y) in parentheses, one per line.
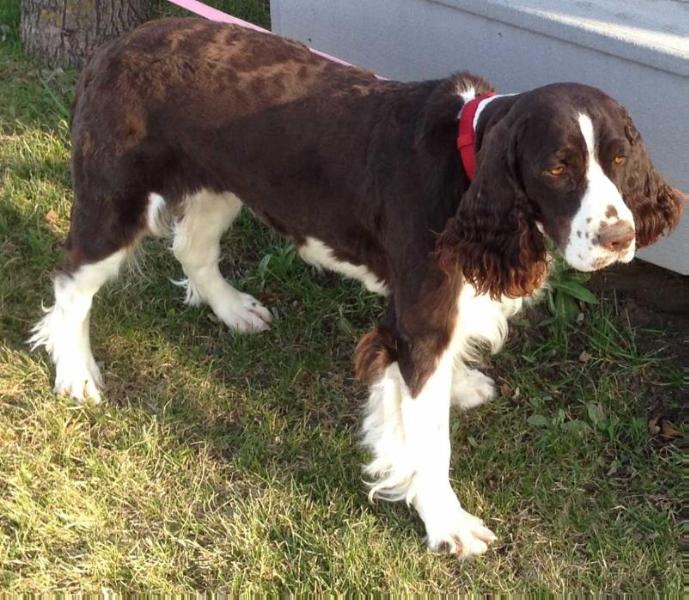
(598, 261)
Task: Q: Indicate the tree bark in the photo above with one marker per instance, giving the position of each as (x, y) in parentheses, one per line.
(66, 32)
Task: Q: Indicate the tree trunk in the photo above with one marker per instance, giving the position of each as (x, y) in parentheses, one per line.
(66, 32)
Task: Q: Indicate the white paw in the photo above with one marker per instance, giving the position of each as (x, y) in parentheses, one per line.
(471, 388)
(79, 380)
(462, 534)
(243, 313)
(449, 528)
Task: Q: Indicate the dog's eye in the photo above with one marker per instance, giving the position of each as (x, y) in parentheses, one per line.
(556, 171)
(619, 159)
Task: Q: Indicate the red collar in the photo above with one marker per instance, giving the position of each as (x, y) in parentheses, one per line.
(466, 134)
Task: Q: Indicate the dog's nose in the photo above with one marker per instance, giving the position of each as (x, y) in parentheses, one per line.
(616, 237)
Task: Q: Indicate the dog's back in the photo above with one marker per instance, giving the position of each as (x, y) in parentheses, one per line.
(184, 104)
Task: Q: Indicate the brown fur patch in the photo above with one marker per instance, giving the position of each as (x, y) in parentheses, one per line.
(175, 38)
(374, 353)
(428, 323)
(655, 204)
(512, 274)
(611, 212)
(134, 128)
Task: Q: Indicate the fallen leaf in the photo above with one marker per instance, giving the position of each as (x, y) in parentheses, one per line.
(268, 297)
(653, 427)
(664, 428)
(595, 413)
(51, 217)
(669, 431)
(538, 421)
(506, 390)
(585, 357)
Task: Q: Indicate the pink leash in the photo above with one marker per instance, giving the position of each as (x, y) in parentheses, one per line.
(214, 14)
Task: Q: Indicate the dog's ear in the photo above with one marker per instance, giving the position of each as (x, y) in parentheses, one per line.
(494, 237)
(655, 204)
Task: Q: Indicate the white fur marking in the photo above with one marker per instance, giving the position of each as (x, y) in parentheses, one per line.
(383, 433)
(64, 330)
(479, 109)
(601, 193)
(466, 94)
(485, 102)
(470, 387)
(481, 320)
(196, 244)
(319, 255)
(157, 216)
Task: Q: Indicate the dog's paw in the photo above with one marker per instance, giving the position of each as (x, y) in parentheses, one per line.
(464, 535)
(471, 388)
(78, 379)
(243, 313)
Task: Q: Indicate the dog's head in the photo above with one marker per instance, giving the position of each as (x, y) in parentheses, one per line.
(566, 161)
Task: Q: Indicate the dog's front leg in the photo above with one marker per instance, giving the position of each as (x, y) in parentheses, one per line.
(426, 426)
(410, 438)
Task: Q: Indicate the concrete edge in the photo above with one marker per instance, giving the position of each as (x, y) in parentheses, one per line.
(627, 49)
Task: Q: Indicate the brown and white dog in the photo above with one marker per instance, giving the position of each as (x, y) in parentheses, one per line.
(184, 121)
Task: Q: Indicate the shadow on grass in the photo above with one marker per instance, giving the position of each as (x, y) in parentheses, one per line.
(282, 405)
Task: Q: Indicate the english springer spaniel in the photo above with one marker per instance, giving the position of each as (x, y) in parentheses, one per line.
(179, 124)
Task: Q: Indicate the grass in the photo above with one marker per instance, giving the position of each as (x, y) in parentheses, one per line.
(255, 11)
(223, 462)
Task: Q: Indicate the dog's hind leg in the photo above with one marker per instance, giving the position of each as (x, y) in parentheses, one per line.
(196, 244)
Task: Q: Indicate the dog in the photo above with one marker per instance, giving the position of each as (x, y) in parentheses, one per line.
(438, 194)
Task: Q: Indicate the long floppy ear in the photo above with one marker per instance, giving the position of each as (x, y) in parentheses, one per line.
(494, 238)
(655, 204)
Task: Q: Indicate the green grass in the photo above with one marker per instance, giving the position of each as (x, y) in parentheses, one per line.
(255, 11)
(223, 462)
